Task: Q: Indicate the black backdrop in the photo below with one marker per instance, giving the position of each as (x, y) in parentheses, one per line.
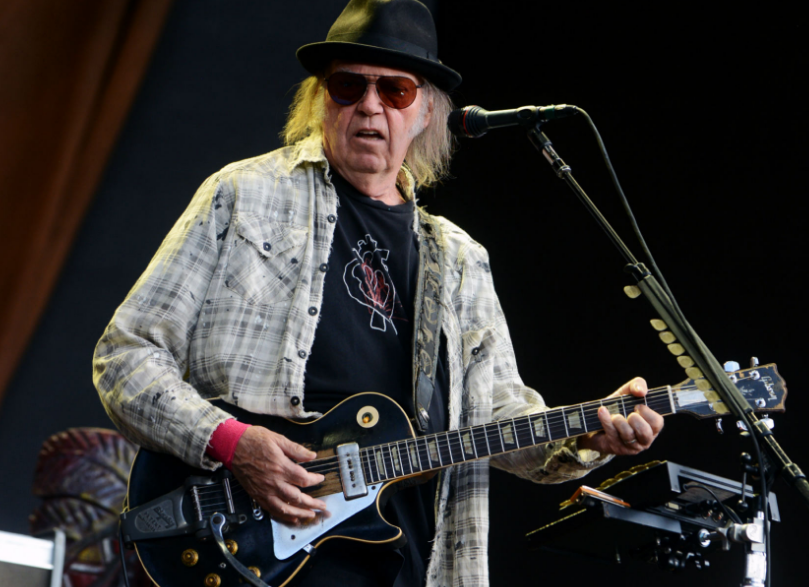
(702, 113)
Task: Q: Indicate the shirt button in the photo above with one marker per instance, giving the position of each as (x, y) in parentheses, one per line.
(267, 246)
(302, 354)
(295, 400)
(331, 218)
(324, 267)
(476, 350)
(312, 311)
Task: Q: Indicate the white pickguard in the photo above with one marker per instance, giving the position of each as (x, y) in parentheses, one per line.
(287, 540)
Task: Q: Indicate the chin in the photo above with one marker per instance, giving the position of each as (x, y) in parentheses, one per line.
(367, 165)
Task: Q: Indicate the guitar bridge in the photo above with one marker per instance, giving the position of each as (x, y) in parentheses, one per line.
(348, 458)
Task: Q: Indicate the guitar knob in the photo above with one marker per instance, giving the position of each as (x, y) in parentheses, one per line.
(190, 557)
(731, 366)
(213, 580)
(256, 571)
(233, 547)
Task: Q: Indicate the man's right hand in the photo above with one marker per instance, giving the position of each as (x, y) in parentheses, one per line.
(263, 464)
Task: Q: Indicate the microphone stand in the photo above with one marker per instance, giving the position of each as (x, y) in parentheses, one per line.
(688, 345)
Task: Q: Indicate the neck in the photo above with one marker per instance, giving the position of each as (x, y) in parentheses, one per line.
(381, 189)
(379, 186)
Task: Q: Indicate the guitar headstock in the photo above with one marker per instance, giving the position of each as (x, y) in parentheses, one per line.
(762, 386)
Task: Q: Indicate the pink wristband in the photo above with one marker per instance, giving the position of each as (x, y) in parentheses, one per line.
(224, 440)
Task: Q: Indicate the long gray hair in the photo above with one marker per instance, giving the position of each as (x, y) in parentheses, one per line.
(430, 151)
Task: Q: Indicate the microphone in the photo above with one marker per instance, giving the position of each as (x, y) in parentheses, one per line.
(473, 121)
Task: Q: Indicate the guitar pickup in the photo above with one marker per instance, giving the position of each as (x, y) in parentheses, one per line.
(348, 458)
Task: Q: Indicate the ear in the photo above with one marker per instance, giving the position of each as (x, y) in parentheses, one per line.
(428, 116)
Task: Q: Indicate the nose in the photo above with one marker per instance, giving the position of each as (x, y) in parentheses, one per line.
(370, 103)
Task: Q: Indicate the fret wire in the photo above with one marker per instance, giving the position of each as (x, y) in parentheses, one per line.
(427, 453)
(449, 448)
(516, 433)
(583, 418)
(407, 454)
(418, 454)
(486, 437)
(531, 430)
(500, 436)
(392, 462)
(371, 461)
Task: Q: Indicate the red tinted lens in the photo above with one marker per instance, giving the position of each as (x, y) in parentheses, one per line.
(346, 88)
(397, 92)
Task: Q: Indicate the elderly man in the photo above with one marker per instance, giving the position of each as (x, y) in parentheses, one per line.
(301, 277)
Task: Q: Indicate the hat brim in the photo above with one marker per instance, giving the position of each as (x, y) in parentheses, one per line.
(316, 56)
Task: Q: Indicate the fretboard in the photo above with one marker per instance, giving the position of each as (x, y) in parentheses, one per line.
(407, 457)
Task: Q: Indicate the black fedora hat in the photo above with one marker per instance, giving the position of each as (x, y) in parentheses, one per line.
(394, 33)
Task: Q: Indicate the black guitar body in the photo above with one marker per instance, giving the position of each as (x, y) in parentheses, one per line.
(154, 475)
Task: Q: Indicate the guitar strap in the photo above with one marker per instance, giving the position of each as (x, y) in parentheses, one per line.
(427, 317)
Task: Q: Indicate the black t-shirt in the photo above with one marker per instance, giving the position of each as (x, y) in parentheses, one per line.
(364, 342)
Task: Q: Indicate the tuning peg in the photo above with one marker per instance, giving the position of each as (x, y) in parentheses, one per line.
(742, 427)
(768, 422)
(731, 366)
(754, 361)
(632, 291)
(719, 426)
(658, 324)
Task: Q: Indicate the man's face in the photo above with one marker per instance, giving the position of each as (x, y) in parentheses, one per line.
(370, 137)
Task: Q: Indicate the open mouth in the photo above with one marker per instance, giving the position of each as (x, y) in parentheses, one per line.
(368, 134)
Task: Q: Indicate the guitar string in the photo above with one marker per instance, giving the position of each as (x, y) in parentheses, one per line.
(555, 418)
(446, 442)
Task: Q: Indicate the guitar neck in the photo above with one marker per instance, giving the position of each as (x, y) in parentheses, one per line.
(432, 452)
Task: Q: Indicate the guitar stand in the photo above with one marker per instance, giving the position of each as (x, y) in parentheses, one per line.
(664, 514)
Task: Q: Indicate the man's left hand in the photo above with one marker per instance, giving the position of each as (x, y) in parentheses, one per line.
(625, 436)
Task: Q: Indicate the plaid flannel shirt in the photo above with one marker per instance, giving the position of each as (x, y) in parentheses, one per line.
(231, 299)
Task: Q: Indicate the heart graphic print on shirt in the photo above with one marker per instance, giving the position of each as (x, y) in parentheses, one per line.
(368, 281)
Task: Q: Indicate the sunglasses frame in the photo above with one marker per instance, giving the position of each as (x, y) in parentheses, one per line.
(383, 96)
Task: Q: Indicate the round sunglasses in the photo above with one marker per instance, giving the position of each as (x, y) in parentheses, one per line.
(348, 88)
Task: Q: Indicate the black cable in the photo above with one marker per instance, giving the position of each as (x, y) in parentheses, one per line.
(635, 228)
(656, 270)
(765, 505)
(729, 512)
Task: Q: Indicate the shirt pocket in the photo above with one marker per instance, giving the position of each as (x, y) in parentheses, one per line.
(264, 263)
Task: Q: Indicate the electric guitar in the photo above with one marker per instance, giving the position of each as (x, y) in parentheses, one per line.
(194, 527)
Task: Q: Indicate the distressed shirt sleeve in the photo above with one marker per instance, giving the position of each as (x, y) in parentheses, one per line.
(497, 369)
(140, 360)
